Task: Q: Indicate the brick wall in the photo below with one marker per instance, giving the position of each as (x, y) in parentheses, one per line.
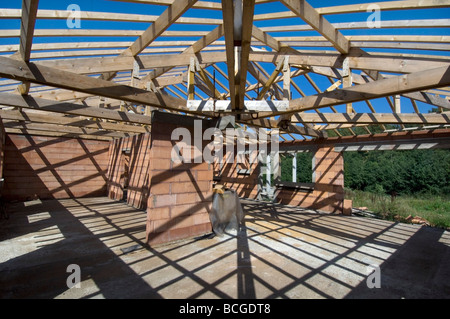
(180, 193)
(54, 167)
(132, 152)
(328, 192)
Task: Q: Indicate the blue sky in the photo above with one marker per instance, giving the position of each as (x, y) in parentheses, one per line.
(125, 7)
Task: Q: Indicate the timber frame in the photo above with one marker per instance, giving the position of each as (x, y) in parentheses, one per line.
(260, 74)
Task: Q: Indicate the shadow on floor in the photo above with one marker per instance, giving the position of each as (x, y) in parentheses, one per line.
(278, 252)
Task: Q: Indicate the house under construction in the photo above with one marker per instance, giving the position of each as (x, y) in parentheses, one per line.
(91, 119)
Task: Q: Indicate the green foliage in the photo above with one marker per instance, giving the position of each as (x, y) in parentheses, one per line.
(398, 172)
(304, 167)
(433, 208)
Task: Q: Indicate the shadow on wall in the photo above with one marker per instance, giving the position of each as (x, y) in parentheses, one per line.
(328, 192)
(128, 170)
(48, 167)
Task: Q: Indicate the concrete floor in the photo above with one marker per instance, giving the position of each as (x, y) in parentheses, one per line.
(282, 252)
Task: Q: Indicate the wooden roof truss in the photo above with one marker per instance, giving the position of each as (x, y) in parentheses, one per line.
(107, 89)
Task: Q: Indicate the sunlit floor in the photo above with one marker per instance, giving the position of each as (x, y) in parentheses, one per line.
(280, 252)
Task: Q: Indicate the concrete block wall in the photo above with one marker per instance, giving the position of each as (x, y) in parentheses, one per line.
(54, 167)
(137, 149)
(180, 196)
(328, 176)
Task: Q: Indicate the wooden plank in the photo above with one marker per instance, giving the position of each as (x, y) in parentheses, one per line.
(357, 60)
(372, 38)
(29, 12)
(70, 108)
(373, 118)
(401, 84)
(7, 33)
(207, 81)
(308, 14)
(55, 118)
(61, 129)
(19, 70)
(385, 5)
(425, 23)
(164, 21)
(271, 79)
(402, 46)
(225, 106)
(246, 36)
(56, 134)
(103, 16)
(228, 25)
(195, 48)
(208, 5)
(266, 123)
(125, 63)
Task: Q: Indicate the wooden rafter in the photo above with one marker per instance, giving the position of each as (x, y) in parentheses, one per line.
(56, 118)
(318, 22)
(10, 68)
(29, 12)
(402, 84)
(373, 118)
(56, 78)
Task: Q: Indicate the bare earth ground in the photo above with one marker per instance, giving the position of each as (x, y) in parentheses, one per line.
(280, 252)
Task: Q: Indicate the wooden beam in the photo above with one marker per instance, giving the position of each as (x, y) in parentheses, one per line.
(397, 85)
(246, 37)
(61, 129)
(164, 21)
(207, 5)
(357, 60)
(24, 131)
(104, 16)
(29, 12)
(271, 79)
(228, 24)
(207, 81)
(347, 81)
(385, 5)
(373, 118)
(294, 129)
(309, 14)
(438, 138)
(425, 23)
(55, 118)
(191, 79)
(29, 102)
(19, 70)
(193, 49)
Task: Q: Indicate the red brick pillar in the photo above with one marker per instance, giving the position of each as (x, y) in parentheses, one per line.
(328, 175)
(180, 193)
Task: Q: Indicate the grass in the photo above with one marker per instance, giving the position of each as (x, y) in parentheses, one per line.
(434, 208)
